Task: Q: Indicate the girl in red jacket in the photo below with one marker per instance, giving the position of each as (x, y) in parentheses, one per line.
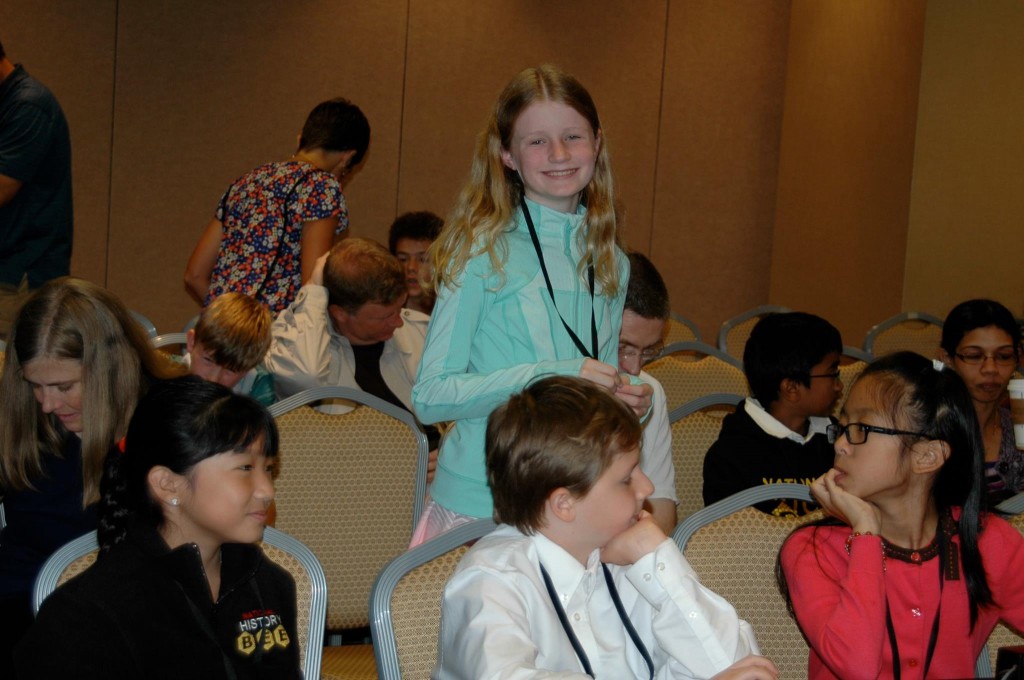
(911, 579)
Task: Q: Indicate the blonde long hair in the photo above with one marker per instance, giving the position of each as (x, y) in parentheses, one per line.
(73, 319)
(487, 202)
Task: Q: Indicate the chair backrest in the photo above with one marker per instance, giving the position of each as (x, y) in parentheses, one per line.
(695, 427)
(190, 324)
(146, 324)
(732, 336)
(914, 331)
(685, 379)
(405, 605)
(351, 487)
(733, 549)
(175, 341)
(681, 329)
(311, 589)
(291, 555)
(848, 374)
(1002, 635)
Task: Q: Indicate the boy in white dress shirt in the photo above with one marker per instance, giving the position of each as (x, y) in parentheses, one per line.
(579, 580)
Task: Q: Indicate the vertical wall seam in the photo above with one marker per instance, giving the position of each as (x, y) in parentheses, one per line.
(657, 137)
(110, 163)
(401, 103)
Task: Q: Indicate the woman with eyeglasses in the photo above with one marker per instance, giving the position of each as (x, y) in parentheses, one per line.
(981, 342)
(908, 576)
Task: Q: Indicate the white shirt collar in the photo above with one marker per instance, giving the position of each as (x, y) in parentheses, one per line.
(768, 423)
(565, 570)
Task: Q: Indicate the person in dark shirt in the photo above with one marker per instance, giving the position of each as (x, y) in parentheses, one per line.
(409, 239)
(778, 435)
(179, 588)
(76, 364)
(35, 188)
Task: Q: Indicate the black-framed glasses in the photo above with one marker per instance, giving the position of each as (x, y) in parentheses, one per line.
(1003, 357)
(857, 433)
(834, 375)
(647, 355)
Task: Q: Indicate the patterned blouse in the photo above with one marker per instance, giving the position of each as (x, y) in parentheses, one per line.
(262, 214)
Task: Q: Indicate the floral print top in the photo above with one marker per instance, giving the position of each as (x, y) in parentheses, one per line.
(262, 214)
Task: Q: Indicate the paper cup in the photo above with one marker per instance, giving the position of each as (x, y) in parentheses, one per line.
(1016, 390)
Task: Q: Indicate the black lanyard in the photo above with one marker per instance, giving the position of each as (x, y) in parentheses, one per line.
(574, 641)
(551, 291)
(935, 624)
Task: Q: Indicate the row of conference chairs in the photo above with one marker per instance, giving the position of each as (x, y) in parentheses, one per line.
(730, 545)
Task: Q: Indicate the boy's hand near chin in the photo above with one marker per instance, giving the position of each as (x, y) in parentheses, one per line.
(635, 542)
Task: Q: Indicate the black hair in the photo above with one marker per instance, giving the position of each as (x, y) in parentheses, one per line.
(418, 226)
(786, 345)
(917, 397)
(337, 125)
(972, 314)
(178, 424)
(646, 293)
(3, 54)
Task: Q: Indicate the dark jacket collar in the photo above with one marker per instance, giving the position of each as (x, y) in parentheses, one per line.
(184, 564)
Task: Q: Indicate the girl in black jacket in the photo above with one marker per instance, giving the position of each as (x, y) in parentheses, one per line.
(180, 589)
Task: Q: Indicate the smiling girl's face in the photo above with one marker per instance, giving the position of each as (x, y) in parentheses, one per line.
(554, 150)
(226, 499)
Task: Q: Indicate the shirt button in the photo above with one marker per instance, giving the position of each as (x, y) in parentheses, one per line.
(693, 615)
(576, 617)
(915, 612)
(912, 663)
(661, 566)
(647, 577)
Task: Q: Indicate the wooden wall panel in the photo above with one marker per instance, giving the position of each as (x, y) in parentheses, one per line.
(846, 160)
(462, 54)
(207, 91)
(69, 46)
(967, 197)
(725, 68)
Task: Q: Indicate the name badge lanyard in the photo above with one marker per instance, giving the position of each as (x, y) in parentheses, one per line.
(551, 291)
(574, 641)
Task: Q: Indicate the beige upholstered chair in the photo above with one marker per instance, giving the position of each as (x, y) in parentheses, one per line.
(680, 329)
(733, 549)
(854, 361)
(405, 606)
(695, 427)
(291, 555)
(685, 379)
(351, 487)
(732, 336)
(914, 331)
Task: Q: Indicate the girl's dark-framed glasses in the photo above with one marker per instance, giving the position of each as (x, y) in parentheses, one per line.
(857, 433)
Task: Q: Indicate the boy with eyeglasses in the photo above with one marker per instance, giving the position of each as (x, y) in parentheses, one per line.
(792, 365)
(644, 316)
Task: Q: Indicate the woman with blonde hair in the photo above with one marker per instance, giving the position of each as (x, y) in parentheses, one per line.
(529, 276)
(76, 364)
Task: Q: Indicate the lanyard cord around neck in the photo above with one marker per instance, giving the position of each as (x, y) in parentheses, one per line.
(551, 291)
(935, 624)
(574, 641)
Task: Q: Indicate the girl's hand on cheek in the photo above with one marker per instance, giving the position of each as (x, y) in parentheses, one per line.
(861, 515)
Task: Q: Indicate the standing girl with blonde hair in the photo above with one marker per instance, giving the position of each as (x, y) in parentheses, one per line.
(530, 280)
(75, 367)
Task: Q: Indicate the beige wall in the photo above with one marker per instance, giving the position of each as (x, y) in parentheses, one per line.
(967, 198)
(846, 160)
(764, 150)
